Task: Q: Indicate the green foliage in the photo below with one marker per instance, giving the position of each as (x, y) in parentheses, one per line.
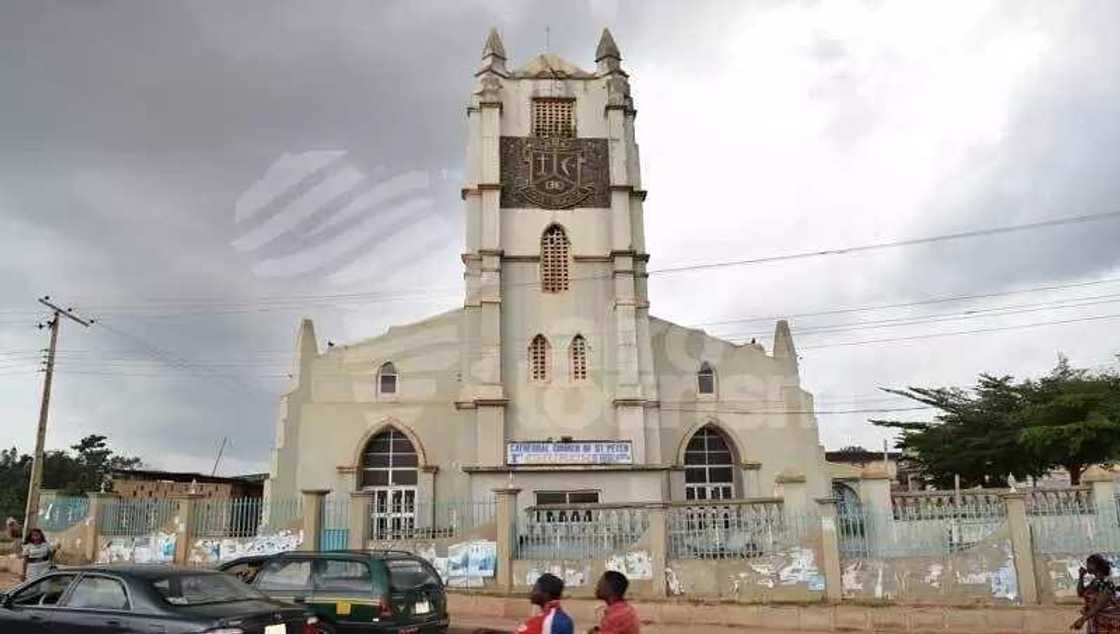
(1070, 419)
(82, 469)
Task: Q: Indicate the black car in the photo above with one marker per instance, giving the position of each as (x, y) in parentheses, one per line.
(134, 599)
(374, 591)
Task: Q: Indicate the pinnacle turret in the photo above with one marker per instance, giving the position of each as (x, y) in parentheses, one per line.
(607, 57)
(493, 55)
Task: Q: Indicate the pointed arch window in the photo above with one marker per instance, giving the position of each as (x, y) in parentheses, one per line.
(387, 379)
(577, 358)
(540, 353)
(389, 460)
(555, 254)
(706, 379)
(708, 472)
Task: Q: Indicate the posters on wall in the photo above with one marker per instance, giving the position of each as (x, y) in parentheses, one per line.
(213, 551)
(157, 548)
(635, 565)
(472, 559)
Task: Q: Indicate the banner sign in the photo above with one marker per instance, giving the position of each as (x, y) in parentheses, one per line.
(558, 453)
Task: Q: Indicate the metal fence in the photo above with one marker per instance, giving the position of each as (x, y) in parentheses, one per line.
(1076, 529)
(1060, 501)
(736, 529)
(928, 505)
(60, 513)
(579, 531)
(407, 519)
(126, 517)
(336, 523)
(934, 531)
(227, 517)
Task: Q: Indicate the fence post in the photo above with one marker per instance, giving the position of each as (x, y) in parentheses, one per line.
(358, 533)
(793, 491)
(506, 524)
(659, 547)
(875, 490)
(313, 502)
(830, 550)
(1104, 494)
(1021, 548)
(97, 502)
(184, 527)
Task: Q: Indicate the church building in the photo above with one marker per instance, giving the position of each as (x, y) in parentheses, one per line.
(553, 377)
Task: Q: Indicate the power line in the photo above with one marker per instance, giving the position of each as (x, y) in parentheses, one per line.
(875, 246)
(263, 302)
(962, 332)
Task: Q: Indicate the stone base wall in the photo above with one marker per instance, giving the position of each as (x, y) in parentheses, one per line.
(712, 617)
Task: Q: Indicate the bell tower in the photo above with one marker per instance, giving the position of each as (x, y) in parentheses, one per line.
(556, 314)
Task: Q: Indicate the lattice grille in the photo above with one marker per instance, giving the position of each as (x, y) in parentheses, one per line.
(539, 362)
(578, 360)
(554, 118)
(554, 260)
(706, 379)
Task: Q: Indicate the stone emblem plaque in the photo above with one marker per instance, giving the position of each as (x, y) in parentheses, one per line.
(554, 173)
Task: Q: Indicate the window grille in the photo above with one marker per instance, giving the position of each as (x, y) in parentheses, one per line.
(706, 379)
(708, 471)
(554, 118)
(387, 379)
(555, 253)
(578, 358)
(539, 352)
(389, 460)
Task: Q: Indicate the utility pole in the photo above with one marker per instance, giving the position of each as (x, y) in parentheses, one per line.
(31, 514)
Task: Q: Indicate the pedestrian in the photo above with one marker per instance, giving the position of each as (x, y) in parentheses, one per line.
(551, 619)
(36, 554)
(619, 617)
(1101, 610)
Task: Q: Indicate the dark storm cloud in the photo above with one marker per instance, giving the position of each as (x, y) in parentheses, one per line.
(128, 132)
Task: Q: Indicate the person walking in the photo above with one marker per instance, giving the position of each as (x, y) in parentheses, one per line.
(1101, 611)
(620, 617)
(36, 555)
(551, 619)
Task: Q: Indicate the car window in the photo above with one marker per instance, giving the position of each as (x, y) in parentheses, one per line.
(281, 575)
(341, 575)
(203, 588)
(246, 571)
(98, 593)
(406, 574)
(45, 591)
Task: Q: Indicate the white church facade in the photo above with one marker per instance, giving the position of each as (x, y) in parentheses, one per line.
(553, 377)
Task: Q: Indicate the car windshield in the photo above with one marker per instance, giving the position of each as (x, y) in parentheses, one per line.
(203, 588)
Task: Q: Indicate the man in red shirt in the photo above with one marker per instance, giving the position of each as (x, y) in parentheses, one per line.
(619, 617)
(551, 619)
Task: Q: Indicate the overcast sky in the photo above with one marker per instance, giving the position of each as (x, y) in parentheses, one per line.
(133, 136)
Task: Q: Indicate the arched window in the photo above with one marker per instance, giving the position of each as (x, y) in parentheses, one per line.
(387, 379)
(389, 460)
(577, 358)
(555, 253)
(708, 466)
(540, 353)
(390, 469)
(706, 379)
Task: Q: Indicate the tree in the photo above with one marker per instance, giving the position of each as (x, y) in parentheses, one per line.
(1072, 418)
(85, 470)
(1069, 419)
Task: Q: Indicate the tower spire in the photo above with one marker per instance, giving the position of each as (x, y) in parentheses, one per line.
(783, 344)
(493, 55)
(607, 55)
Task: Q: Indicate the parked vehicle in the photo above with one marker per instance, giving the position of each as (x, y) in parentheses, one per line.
(134, 598)
(356, 591)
